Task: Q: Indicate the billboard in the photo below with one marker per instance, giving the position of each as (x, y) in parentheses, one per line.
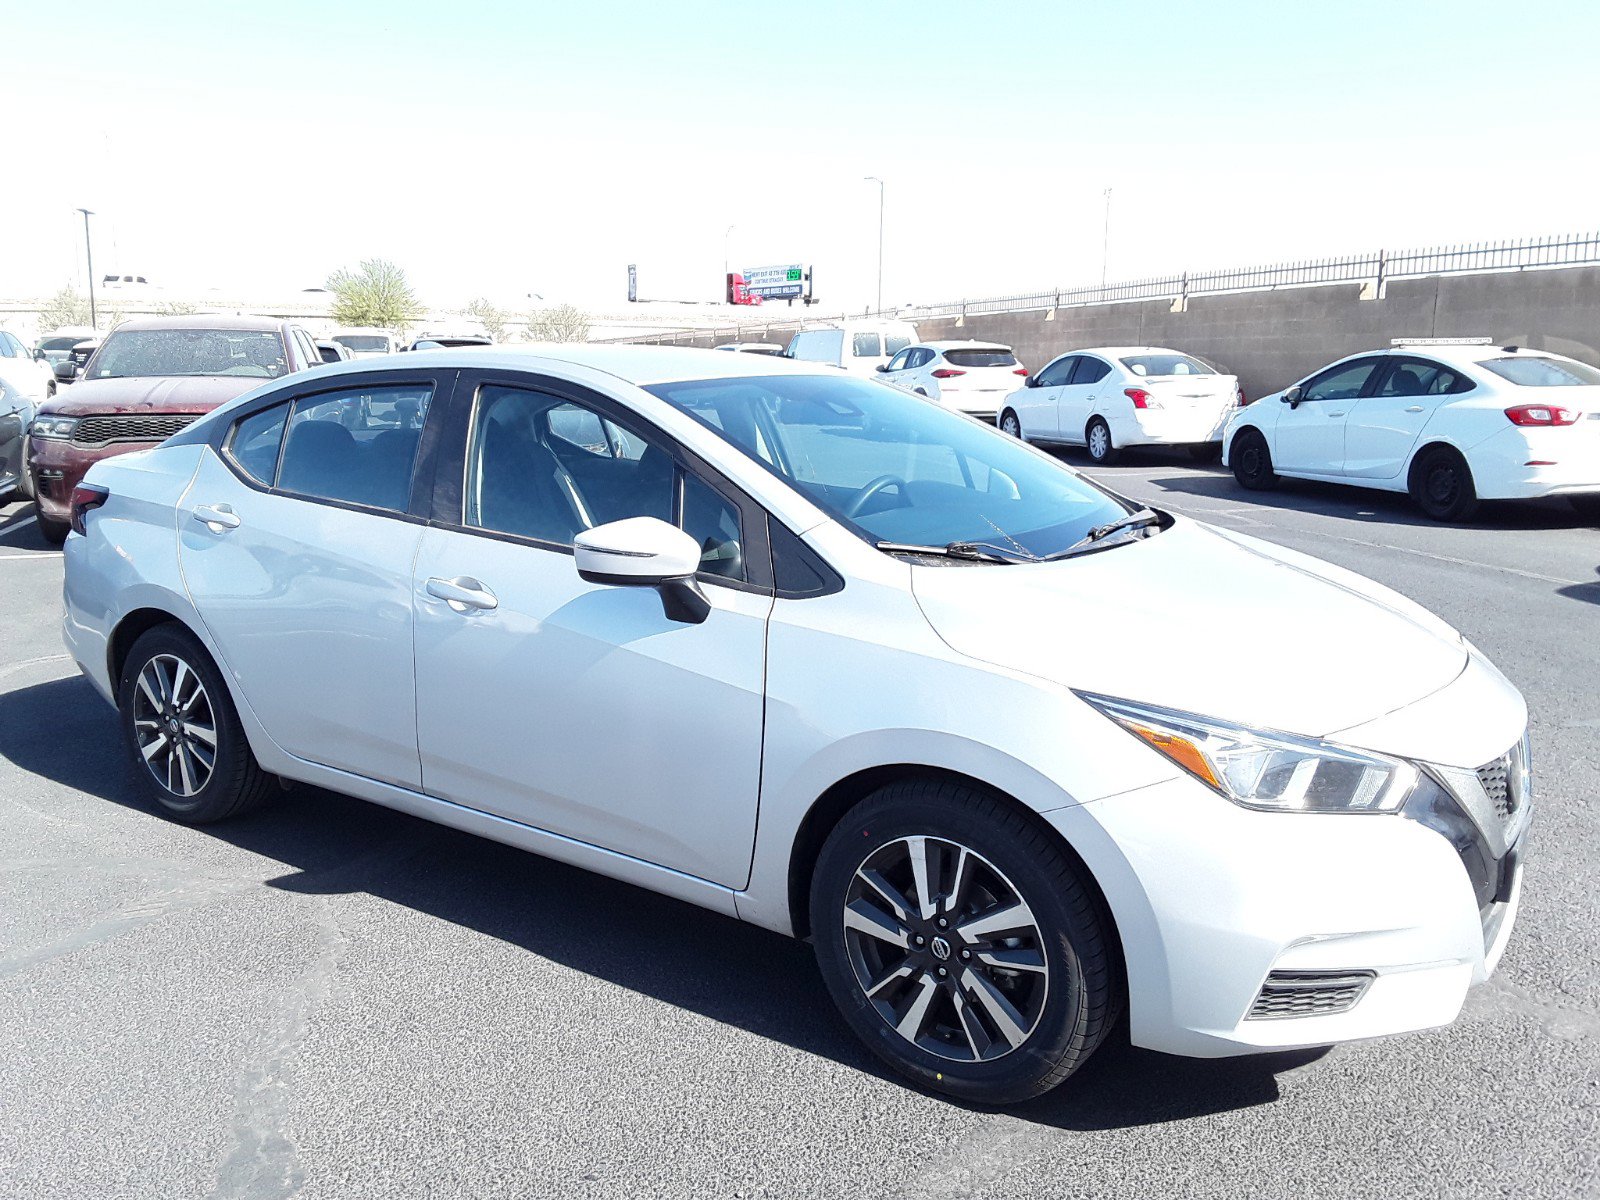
(791, 281)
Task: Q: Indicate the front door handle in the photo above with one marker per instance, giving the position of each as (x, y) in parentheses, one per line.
(217, 517)
(1340, 413)
(1415, 408)
(463, 593)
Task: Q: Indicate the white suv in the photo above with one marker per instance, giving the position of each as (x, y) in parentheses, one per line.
(971, 377)
(820, 655)
(1452, 423)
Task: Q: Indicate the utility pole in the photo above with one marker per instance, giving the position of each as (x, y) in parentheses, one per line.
(879, 182)
(88, 250)
(1105, 242)
(726, 235)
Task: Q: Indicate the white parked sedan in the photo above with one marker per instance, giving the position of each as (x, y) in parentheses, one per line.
(1450, 423)
(1112, 397)
(817, 654)
(970, 377)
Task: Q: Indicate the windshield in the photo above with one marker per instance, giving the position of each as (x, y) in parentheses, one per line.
(1166, 364)
(894, 467)
(363, 343)
(139, 353)
(1529, 371)
(59, 343)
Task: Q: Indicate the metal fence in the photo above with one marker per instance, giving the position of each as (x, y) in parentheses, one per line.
(1378, 268)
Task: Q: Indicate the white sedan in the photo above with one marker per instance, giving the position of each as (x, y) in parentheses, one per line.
(1450, 423)
(1112, 397)
(970, 377)
(820, 655)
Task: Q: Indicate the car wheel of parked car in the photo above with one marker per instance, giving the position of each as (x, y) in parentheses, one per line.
(182, 732)
(1587, 507)
(54, 531)
(1010, 425)
(1206, 452)
(25, 487)
(1252, 461)
(1441, 484)
(1098, 438)
(961, 943)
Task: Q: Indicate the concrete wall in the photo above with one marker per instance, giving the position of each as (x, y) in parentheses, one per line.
(1272, 338)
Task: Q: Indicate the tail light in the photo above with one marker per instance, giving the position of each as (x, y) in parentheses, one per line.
(1140, 397)
(947, 373)
(86, 497)
(1541, 414)
(1023, 371)
(1244, 400)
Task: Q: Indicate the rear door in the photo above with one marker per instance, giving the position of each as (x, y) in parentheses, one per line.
(1079, 395)
(1309, 436)
(1385, 424)
(297, 545)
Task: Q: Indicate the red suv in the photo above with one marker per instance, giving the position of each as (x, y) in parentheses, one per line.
(148, 380)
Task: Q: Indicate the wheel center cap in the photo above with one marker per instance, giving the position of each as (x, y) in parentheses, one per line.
(172, 725)
(940, 948)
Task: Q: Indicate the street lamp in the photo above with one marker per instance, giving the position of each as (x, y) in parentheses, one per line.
(1105, 242)
(879, 182)
(726, 235)
(88, 250)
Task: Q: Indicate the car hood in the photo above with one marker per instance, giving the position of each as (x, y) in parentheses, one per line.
(180, 394)
(1205, 620)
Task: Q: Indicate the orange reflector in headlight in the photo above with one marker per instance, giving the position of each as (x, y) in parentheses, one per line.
(1180, 750)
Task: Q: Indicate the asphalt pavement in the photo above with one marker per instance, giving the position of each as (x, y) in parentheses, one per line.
(330, 999)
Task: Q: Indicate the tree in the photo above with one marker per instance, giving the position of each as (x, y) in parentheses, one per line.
(176, 308)
(494, 319)
(376, 295)
(66, 307)
(562, 323)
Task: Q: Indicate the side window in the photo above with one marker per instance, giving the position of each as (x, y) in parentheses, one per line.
(866, 345)
(358, 446)
(544, 468)
(1058, 372)
(1341, 383)
(893, 343)
(900, 361)
(1420, 377)
(1090, 370)
(308, 353)
(255, 440)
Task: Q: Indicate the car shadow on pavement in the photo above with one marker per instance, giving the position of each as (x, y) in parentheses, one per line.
(1583, 591)
(719, 968)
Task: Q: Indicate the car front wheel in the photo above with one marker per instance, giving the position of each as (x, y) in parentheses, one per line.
(182, 733)
(960, 942)
(1252, 461)
(1009, 424)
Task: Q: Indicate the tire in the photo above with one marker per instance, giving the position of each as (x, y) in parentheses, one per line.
(1587, 507)
(1097, 437)
(1027, 1029)
(1441, 485)
(54, 531)
(1251, 460)
(1206, 452)
(25, 487)
(1010, 424)
(158, 689)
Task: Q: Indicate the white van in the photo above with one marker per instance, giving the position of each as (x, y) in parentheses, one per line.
(860, 347)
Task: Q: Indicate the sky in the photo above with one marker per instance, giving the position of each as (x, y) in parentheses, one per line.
(525, 150)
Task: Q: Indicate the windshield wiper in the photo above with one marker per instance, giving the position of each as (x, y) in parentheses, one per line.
(971, 551)
(1138, 519)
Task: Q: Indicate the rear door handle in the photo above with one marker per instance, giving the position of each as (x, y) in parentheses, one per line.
(463, 593)
(218, 517)
(1415, 408)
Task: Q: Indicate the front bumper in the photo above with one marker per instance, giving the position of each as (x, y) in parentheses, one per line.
(58, 466)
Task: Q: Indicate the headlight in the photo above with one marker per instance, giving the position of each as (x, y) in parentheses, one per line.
(1275, 772)
(53, 427)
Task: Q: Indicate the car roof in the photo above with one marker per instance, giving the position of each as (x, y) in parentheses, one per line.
(636, 364)
(203, 321)
(966, 346)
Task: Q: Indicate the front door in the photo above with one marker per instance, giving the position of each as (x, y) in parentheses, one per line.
(1079, 395)
(1037, 406)
(579, 708)
(299, 563)
(1385, 424)
(1309, 436)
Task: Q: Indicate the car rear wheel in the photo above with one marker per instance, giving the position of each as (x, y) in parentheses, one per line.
(182, 732)
(1009, 424)
(1097, 436)
(1441, 484)
(1252, 461)
(54, 531)
(960, 942)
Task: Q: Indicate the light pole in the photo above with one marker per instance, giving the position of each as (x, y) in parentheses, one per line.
(879, 182)
(725, 236)
(1105, 242)
(88, 250)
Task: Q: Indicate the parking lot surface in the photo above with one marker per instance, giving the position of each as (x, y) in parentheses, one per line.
(330, 999)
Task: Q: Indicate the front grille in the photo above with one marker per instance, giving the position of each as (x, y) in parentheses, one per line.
(1309, 994)
(1504, 780)
(130, 427)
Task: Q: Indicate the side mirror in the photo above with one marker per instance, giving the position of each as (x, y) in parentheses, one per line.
(1293, 396)
(883, 366)
(645, 552)
(1031, 381)
(66, 370)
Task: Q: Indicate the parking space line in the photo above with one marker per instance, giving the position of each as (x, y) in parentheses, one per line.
(22, 524)
(31, 554)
